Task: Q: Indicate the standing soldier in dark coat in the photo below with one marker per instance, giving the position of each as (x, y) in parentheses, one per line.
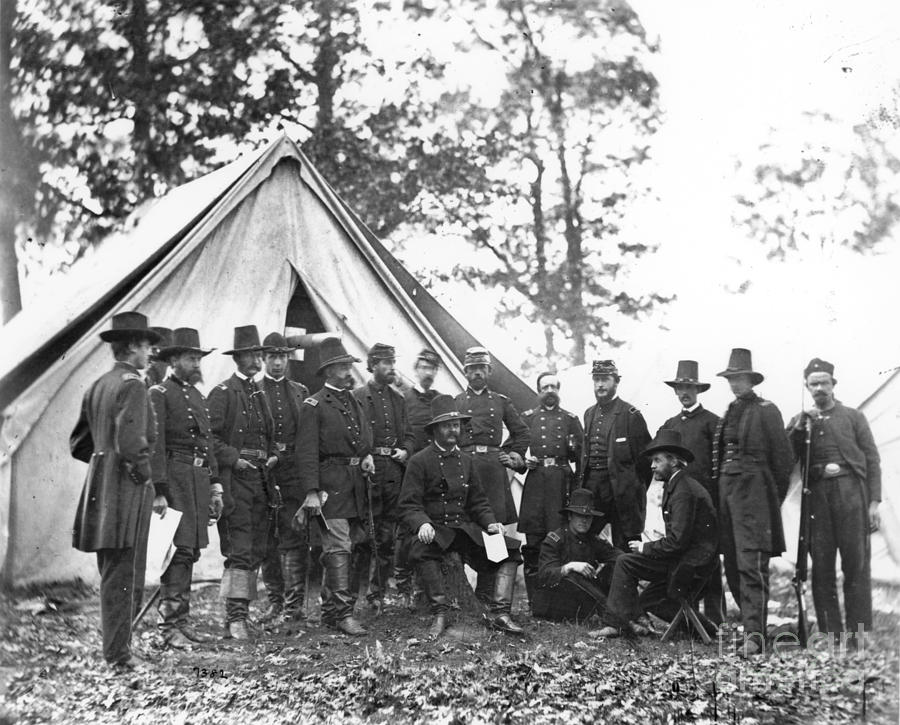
(574, 576)
(182, 460)
(556, 439)
(614, 469)
(418, 409)
(698, 426)
(284, 569)
(670, 564)
(445, 507)
(157, 367)
(242, 439)
(334, 453)
(392, 445)
(844, 479)
(753, 462)
(115, 434)
(481, 438)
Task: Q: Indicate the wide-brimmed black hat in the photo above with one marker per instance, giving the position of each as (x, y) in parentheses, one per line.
(246, 339)
(688, 374)
(184, 339)
(443, 409)
(165, 336)
(669, 441)
(582, 502)
(332, 351)
(277, 343)
(739, 363)
(129, 325)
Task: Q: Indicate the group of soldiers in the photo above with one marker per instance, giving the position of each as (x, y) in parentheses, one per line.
(388, 484)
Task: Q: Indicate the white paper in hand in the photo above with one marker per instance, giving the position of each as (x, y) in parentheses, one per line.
(162, 531)
(495, 546)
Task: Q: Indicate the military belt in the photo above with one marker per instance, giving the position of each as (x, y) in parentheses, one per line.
(557, 461)
(284, 448)
(341, 460)
(191, 460)
(254, 454)
(819, 471)
(481, 449)
(382, 451)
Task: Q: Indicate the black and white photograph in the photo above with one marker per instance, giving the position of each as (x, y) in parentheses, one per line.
(449, 361)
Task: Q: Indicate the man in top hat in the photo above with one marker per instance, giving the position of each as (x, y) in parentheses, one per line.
(844, 480)
(671, 564)
(752, 460)
(392, 445)
(418, 409)
(446, 509)
(614, 469)
(114, 435)
(245, 450)
(556, 439)
(157, 367)
(697, 426)
(184, 463)
(574, 576)
(284, 569)
(488, 412)
(334, 453)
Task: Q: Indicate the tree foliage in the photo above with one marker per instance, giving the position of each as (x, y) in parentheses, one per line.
(822, 185)
(555, 167)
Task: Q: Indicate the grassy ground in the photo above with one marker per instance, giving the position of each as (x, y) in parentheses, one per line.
(51, 670)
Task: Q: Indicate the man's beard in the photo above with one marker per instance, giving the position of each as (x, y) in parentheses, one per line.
(549, 400)
(477, 383)
(195, 377)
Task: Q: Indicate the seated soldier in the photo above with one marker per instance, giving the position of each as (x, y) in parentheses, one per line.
(571, 573)
(688, 548)
(444, 506)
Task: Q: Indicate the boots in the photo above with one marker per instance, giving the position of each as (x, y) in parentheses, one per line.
(274, 579)
(530, 570)
(293, 568)
(484, 587)
(337, 595)
(433, 583)
(501, 602)
(238, 588)
(174, 594)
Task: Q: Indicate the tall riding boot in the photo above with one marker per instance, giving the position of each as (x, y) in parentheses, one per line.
(238, 588)
(484, 587)
(360, 568)
(293, 567)
(174, 593)
(530, 570)
(501, 602)
(337, 609)
(433, 583)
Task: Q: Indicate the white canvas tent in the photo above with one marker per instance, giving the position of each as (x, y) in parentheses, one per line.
(262, 241)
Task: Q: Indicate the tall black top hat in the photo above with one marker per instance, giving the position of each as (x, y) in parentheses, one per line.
(332, 351)
(184, 339)
(669, 441)
(246, 339)
(127, 326)
(739, 363)
(688, 374)
(443, 409)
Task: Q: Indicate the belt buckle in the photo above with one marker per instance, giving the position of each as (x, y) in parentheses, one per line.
(481, 449)
(549, 461)
(832, 469)
(281, 447)
(354, 461)
(198, 462)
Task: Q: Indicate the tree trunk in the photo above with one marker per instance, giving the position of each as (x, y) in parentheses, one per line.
(17, 179)
(140, 96)
(323, 71)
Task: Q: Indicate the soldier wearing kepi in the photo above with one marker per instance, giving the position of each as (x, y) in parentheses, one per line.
(115, 434)
(287, 550)
(157, 367)
(752, 460)
(242, 440)
(614, 469)
(445, 507)
(481, 438)
(698, 426)
(844, 479)
(556, 440)
(333, 453)
(392, 445)
(182, 460)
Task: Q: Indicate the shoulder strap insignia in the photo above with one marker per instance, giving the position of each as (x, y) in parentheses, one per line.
(311, 401)
(633, 410)
(571, 415)
(222, 386)
(554, 537)
(762, 401)
(158, 388)
(132, 376)
(501, 396)
(528, 412)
